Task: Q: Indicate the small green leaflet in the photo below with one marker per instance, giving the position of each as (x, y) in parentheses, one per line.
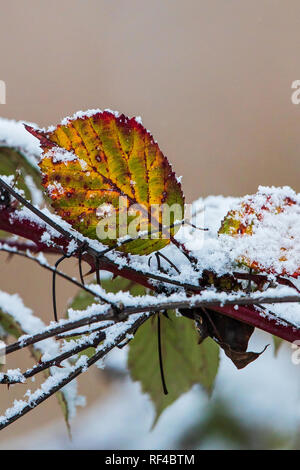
(277, 342)
(12, 161)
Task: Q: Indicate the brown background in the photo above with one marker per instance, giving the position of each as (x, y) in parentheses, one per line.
(211, 79)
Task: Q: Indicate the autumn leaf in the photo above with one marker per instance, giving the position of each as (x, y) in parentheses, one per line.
(185, 361)
(105, 167)
(26, 176)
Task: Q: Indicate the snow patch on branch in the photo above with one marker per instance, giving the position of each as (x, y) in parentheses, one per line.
(30, 324)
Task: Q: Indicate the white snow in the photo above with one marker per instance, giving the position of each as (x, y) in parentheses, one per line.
(83, 114)
(13, 134)
(59, 155)
(36, 194)
(257, 396)
(13, 305)
(274, 244)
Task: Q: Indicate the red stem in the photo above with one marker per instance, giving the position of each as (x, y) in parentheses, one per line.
(251, 316)
(27, 228)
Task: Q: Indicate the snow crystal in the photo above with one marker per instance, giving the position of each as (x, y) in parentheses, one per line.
(274, 243)
(59, 154)
(72, 247)
(138, 119)
(14, 375)
(46, 238)
(83, 114)
(36, 194)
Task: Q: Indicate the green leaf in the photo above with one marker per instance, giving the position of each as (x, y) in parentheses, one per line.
(277, 342)
(10, 161)
(122, 284)
(83, 299)
(27, 177)
(185, 361)
(9, 325)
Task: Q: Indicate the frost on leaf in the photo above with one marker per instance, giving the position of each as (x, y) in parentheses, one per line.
(92, 160)
(263, 231)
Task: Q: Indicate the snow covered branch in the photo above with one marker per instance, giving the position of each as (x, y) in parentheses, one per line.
(63, 377)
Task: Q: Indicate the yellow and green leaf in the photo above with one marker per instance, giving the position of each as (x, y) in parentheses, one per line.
(114, 157)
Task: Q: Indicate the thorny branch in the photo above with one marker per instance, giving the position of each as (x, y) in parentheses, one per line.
(13, 251)
(285, 330)
(92, 341)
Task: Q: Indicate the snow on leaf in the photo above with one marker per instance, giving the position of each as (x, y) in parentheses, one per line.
(185, 361)
(26, 177)
(18, 157)
(13, 135)
(263, 231)
(95, 158)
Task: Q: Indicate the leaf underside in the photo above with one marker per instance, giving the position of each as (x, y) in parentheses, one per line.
(185, 361)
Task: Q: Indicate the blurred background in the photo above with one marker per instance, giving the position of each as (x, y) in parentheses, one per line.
(212, 81)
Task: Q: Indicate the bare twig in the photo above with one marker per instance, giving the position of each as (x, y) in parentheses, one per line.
(56, 361)
(13, 251)
(77, 370)
(253, 317)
